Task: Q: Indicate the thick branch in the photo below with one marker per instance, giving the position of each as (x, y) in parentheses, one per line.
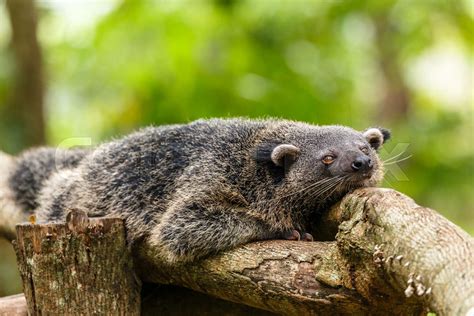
(282, 277)
(417, 250)
(390, 255)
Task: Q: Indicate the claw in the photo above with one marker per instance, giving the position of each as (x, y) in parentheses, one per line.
(307, 237)
(293, 235)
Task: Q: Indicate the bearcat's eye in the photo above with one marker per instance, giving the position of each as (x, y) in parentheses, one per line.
(365, 150)
(327, 160)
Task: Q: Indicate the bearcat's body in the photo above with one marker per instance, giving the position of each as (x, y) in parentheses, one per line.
(195, 189)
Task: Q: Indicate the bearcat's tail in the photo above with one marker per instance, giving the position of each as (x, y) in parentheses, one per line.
(22, 179)
(10, 212)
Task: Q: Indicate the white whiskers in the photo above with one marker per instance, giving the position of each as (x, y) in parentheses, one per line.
(397, 161)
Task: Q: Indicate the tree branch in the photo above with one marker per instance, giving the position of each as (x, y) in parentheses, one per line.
(416, 251)
(390, 255)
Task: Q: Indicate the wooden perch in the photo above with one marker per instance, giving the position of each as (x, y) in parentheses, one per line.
(389, 256)
(81, 267)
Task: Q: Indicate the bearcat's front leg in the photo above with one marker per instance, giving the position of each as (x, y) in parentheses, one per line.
(191, 231)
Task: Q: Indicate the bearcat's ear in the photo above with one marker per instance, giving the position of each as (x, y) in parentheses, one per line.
(280, 154)
(376, 136)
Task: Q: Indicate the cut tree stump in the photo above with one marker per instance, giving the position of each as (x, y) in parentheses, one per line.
(81, 267)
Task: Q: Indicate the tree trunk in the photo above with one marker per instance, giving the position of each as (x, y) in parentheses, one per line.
(24, 115)
(396, 96)
(81, 267)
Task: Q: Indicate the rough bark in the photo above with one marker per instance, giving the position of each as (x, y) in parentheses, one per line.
(81, 267)
(390, 256)
(414, 251)
(278, 276)
(24, 113)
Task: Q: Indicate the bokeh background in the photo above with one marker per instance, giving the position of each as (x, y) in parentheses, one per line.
(97, 69)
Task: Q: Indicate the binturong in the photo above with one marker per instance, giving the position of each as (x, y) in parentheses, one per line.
(195, 189)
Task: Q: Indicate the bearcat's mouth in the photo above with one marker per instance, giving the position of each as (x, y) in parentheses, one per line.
(361, 180)
(356, 177)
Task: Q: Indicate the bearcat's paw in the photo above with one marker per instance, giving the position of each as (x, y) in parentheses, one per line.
(293, 234)
(307, 237)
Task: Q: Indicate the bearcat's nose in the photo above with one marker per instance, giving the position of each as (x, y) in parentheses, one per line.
(362, 164)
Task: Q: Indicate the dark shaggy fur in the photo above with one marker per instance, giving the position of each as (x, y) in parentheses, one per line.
(195, 189)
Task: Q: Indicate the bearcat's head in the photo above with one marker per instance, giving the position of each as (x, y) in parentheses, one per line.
(320, 162)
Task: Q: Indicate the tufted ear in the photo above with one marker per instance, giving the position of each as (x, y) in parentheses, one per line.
(377, 136)
(283, 154)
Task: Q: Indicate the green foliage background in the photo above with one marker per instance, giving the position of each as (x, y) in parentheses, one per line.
(326, 62)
